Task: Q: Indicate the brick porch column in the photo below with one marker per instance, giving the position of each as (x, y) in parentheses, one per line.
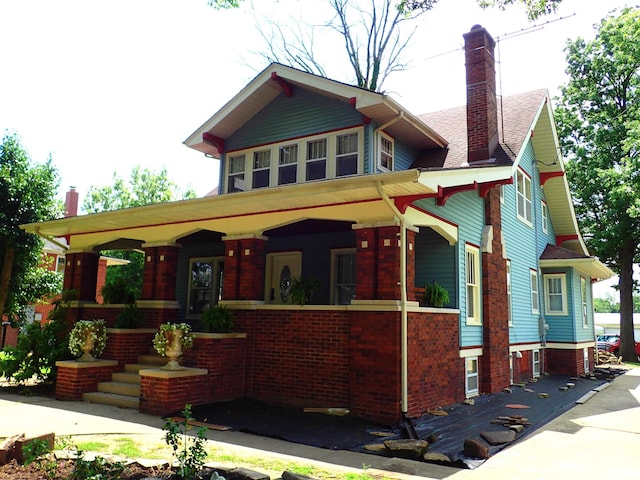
(81, 274)
(160, 271)
(244, 267)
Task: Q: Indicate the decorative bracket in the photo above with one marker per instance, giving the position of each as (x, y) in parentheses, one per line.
(286, 86)
(485, 187)
(560, 239)
(544, 176)
(403, 202)
(214, 140)
(445, 192)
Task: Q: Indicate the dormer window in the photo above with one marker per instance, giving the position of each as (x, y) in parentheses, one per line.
(385, 153)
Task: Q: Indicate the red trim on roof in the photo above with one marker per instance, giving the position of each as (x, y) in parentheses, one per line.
(286, 86)
(560, 239)
(486, 186)
(403, 202)
(214, 140)
(445, 192)
(544, 176)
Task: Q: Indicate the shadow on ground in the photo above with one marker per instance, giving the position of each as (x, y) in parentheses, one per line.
(449, 431)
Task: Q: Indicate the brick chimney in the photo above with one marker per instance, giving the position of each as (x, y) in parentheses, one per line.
(71, 203)
(482, 112)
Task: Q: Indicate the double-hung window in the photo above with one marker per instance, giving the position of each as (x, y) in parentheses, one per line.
(524, 197)
(317, 159)
(346, 154)
(545, 217)
(205, 284)
(236, 174)
(509, 306)
(288, 164)
(261, 168)
(385, 158)
(343, 276)
(583, 294)
(472, 268)
(555, 294)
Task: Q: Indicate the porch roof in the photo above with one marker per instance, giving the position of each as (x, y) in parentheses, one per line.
(559, 257)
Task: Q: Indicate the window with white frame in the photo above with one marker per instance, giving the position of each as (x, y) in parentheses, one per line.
(346, 154)
(545, 217)
(524, 197)
(472, 268)
(535, 360)
(501, 193)
(60, 263)
(343, 264)
(509, 307)
(555, 291)
(385, 156)
(471, 375)
(236, 174)
(585, 357)
(261, 168)
(583, 294)
(205, 284)
(288, 164)
(533, 279)
(317, 159)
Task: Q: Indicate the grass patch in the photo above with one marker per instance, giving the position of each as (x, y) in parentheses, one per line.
(92, 446)
(126, 447)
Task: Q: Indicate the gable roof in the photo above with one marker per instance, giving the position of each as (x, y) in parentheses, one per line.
(276, 79)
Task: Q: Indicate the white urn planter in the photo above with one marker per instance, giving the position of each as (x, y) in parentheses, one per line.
(171, 340)
(87, 339)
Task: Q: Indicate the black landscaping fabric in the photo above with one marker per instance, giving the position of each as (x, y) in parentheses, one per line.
(447, 433)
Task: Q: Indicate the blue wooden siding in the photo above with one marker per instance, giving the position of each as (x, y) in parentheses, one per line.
(304, 113)
(403, 156)
(436, 261)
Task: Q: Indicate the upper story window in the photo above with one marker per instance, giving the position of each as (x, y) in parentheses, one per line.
(535, 304)
(583, 294)
(472, 267)
(385, 157)
(317, 157)
(524, 197)
(509, 306)
(555, 290)
(236, 174)
(545, 217)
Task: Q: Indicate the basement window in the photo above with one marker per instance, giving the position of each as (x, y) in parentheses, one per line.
(472, 382)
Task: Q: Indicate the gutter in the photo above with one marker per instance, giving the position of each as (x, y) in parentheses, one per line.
(404, 371)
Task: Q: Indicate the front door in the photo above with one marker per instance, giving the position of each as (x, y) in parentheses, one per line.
(281, 268)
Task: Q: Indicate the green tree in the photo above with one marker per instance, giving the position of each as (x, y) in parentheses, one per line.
(371, 33)
(124, 282)
(599, 123)
(605, 305)
(27, 195)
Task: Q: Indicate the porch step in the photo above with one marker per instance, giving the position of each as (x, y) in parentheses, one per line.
(136, 367)
(120, 388)
(123, 401)
(155, 360)
(126, 377)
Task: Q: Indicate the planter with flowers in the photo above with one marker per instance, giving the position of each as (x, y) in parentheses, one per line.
(170, 340)
(87, 339)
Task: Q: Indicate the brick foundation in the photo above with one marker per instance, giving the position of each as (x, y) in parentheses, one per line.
(163, 392)
(75, 378)
(567, 362)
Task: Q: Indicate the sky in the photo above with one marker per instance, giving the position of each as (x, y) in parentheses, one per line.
(106, 86)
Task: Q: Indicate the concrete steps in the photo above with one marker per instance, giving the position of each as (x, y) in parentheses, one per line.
(124, 388)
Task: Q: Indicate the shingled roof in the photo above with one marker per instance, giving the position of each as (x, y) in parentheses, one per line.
(516, 116)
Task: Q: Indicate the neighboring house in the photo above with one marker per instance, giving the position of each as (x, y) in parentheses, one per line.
(326, 180)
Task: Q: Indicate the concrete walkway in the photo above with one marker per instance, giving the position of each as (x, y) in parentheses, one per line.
(600, 438)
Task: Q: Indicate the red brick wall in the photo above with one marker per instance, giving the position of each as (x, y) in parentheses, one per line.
(436, 371)
(161, 396)
(152, 316)
(80, 273)
(159, 276)
(366, 254)
(124, 346)
(71, 383)
(252, 265)
(10, 335)
(230, 289)
(567, 362)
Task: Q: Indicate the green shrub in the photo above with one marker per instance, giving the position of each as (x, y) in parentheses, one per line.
(216, 319)
(188, 450)
(130, 317)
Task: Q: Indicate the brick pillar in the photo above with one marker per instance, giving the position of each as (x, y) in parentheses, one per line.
(388, 273)
(231, 285)
(160, 272)
(411, 264)
(494, 363)
(252, 268)
(81, 273)
(366, 263)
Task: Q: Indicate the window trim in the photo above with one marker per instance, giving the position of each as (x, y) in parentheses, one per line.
(383, 136)
(523, 179)
(535, 294)
(301, 142)
(216, 285)
(471, 392)
(547, 294)
(544, 211)
(509, 294)
(335, 252)
(536, 363)
(585, 302)
(476, 319)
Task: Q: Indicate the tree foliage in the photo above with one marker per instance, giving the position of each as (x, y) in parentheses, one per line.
(27, 195)
(598, 122)
(124, 282)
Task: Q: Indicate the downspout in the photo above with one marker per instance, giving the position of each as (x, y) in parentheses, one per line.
(51, 239)
(404, 373)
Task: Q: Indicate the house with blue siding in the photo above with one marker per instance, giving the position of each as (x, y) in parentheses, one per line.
(330, 185)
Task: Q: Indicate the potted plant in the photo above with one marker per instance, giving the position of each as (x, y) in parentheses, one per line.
(87, 339)
(170, 340)
(303, 289)
(216, 319)
(435, 295)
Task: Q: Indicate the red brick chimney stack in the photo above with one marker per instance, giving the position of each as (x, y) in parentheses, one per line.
(71, 203)
(482, 110)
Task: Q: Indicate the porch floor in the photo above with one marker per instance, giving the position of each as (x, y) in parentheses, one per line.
(462, 422)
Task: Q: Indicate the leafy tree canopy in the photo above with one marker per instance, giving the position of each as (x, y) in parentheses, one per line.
(27, 195)
(598, 120)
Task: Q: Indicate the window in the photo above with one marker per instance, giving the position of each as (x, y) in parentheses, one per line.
(205, 284)
(555, 294)
(585, 358)
(60, 263)
(583, 290)
(535, 359)
(317, 159)
(236, 174)
(502, 194)
(509, 309)
(524, 197)
(343, 276)
(261, 168)
(288, 164)
(533, 277)
(471, 369)
(386, 153)
(545, 217)
(346, 154)
(472, 267)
